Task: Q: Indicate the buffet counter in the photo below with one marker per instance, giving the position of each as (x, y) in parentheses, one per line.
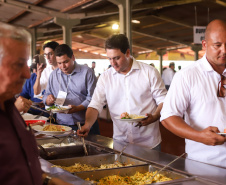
(187, 171)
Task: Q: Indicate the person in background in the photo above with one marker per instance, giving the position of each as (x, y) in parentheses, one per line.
(28, 91)
(44, 72)
(75, 83)
(167, 75)
(152, 64)
(19, 163)
(93, 66)
(198, 92)
(128, 86)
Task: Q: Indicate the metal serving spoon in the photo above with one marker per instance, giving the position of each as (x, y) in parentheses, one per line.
(150, 181)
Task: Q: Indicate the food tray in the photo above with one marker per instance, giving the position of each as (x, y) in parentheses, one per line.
(129, 171)
(97, 160)
(67, 151)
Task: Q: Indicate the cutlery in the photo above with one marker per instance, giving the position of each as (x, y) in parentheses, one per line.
(83, 141)
(117, 159)
(150, 181)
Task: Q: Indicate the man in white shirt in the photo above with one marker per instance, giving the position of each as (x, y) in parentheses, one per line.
(196, 93)
(128, 86)
(43, 72)
(167, 75)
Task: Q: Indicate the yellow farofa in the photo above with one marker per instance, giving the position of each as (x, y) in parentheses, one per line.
(52, 127)
(77, 167)
(137, 179)
(134, 116)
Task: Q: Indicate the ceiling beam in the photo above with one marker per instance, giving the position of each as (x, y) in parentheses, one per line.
(220, 2)
(22, 12)
(167, 3)
(160, 38)
(32, 8)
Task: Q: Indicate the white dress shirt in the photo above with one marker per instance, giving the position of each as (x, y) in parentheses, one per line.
(44, 79)
(167, 76)
(193, 91)
(137, 92)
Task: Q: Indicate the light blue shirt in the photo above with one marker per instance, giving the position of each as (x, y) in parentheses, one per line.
(79, 85)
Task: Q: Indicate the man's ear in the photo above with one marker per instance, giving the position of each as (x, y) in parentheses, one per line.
(73, 57)
(204, 44)
(127, 52)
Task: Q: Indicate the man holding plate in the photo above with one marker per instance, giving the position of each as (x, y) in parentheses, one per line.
(128, 86)
(70, 85)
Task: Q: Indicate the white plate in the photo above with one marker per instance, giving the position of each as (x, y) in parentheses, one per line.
(65, 109)
(131, 120)
(39, 129)
(222, 133)
(28, 116)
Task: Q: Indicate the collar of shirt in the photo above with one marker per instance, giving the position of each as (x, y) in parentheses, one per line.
(205, 64)
(135, 66)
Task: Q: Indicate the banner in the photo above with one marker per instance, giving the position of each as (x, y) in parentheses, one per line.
(199, 34)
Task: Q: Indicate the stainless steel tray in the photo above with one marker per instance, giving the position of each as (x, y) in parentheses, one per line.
(129, 171)
(97, 160)
(67, 151)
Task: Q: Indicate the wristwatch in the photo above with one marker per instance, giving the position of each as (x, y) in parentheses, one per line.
(46, 180)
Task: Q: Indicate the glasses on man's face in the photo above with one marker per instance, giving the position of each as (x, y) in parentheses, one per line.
(221, 90)
(48, 54)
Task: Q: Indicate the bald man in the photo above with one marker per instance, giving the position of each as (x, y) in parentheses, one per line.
(198, 92)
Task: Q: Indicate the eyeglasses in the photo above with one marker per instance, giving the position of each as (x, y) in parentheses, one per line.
(221, 90)
(48, 54)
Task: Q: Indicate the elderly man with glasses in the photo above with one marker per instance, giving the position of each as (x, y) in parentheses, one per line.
(198, 93)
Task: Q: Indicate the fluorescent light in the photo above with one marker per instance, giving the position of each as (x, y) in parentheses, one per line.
(135, 21)
(115, 26)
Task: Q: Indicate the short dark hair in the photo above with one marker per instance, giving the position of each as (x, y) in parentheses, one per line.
(118, 41)
(171, 64)
(52, 45)
(62, 50)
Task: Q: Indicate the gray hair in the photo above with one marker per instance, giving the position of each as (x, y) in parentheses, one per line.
(12, 32)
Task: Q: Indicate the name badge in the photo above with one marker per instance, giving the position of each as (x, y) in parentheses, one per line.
(61, 98)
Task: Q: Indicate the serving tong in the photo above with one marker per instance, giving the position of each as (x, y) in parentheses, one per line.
(46, 111)
(83, 140)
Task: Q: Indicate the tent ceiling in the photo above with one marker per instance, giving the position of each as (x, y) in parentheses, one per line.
(164, 24)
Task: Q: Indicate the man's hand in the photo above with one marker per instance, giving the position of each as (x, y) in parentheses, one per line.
(75, 108)
(22, 104)
(211, 138)
(150, 119)
(84, 130)
(40, 68)
(50, 99)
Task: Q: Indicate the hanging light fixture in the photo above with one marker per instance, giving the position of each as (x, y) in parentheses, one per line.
(115, 26)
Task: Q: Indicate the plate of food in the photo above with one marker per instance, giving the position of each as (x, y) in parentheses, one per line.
(58, 109)
(51, 129)
(130, 117)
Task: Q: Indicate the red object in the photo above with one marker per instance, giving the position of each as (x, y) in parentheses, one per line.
(225, 130)
(35, 121)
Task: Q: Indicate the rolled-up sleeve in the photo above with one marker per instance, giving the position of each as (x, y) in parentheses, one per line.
(99, 97)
